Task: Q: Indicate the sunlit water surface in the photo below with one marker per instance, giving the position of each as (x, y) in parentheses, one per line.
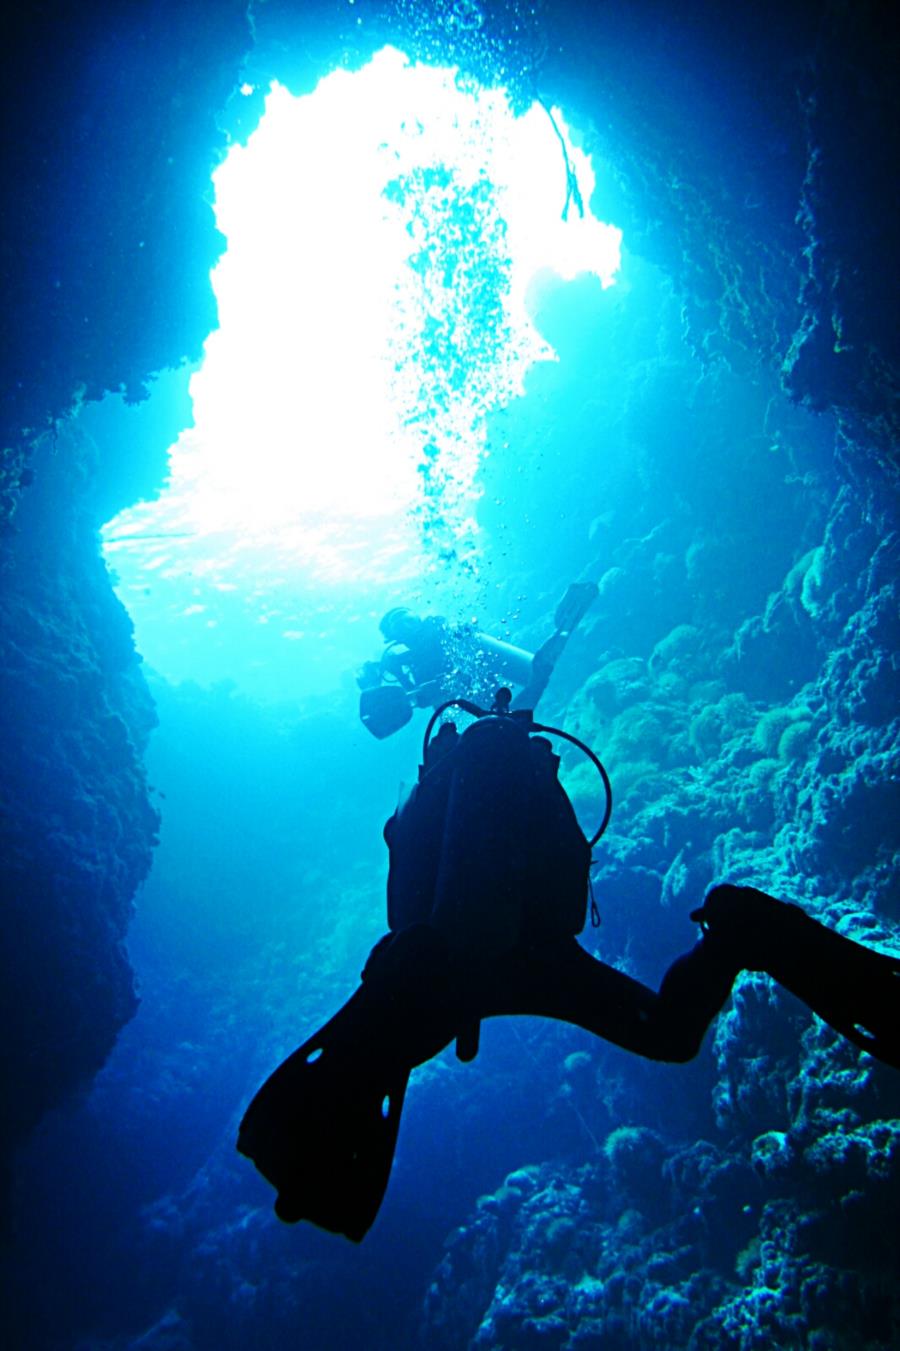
(384, 235)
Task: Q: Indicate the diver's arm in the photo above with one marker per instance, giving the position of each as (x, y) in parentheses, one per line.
(395, 663)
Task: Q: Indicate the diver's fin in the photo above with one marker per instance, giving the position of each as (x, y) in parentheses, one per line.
(574, 605)
(853, 988)
(323, 1127)
(468, 1039)
(569, 613)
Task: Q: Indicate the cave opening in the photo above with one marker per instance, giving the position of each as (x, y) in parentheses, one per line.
(389, 237)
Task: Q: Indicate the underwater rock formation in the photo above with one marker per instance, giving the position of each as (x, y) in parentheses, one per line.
(755, 740)
(76, 823)
(659, 1245)
(759, 176)
(110, 133)
(107, 236)
(758, 742)
(846, 352)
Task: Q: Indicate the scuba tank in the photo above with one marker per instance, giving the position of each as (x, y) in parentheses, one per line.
(486, 848)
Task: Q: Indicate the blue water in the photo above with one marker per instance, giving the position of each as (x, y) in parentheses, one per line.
(520, 1214)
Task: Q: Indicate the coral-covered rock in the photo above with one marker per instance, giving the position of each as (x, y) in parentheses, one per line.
(78, 825)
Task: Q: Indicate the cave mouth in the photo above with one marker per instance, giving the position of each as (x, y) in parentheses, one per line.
(386, 239)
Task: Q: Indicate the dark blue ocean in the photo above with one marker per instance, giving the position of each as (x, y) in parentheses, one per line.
(459, 404)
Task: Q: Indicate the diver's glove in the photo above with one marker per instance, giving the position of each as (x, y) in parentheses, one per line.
(855, 990)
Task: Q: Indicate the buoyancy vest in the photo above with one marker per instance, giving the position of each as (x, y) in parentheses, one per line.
(486, 847)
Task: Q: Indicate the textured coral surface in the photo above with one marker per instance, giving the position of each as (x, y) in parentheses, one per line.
(76, 821)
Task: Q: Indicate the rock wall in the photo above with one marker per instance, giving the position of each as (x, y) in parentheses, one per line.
(772, 1229)
(770, 760)
(107, 238)
(76, 822)
(110, 116)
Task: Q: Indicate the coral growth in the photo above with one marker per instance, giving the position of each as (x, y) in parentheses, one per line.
(78, 826)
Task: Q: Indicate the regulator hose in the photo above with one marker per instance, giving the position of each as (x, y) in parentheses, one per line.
(468, 707)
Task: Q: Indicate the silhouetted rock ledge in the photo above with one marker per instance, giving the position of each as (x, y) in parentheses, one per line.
(77, 826)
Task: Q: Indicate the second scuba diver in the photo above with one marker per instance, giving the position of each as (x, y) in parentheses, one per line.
(426, 660)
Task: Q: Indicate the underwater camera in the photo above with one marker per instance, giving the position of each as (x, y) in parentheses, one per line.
(384, 709)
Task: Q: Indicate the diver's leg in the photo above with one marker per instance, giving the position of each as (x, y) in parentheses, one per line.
(561, 980)
(542, 664)
(578, 599)
(853, 988)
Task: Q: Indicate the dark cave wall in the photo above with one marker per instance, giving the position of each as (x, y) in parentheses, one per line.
(76, 822)
(109, 114)
(107, 238)
(846, 354)
(759, 169)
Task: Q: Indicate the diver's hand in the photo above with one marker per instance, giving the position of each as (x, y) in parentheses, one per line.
(369, 675)
(728, 906)
(744, 921)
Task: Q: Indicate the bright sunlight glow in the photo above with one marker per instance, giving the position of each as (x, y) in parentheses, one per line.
(382, 234)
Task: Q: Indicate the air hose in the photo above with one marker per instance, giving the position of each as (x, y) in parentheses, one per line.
(501, 709)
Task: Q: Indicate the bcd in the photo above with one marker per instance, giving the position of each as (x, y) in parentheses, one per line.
(486, 847)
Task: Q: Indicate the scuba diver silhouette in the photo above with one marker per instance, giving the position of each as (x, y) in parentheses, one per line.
(488, 887)
(425, 659)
